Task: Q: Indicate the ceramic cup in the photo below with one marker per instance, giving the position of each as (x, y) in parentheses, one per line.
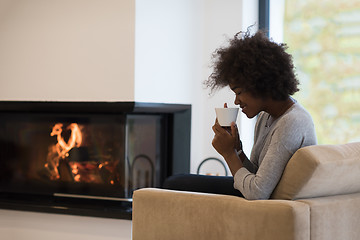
(226, 116)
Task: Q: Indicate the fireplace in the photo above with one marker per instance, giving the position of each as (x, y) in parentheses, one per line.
(87, 158)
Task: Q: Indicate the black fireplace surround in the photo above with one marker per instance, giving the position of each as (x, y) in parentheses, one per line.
(87, 158)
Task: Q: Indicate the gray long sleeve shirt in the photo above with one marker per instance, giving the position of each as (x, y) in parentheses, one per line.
(274, 144)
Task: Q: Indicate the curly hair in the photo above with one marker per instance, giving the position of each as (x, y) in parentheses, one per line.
(258, 65)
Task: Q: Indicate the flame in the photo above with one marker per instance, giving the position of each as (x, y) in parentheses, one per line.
(74, 170)
(74, 141)
(61, 149)
(77, 178)
(88, 171)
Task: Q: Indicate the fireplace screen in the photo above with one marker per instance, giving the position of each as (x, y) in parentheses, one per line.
(92, 155)
(143, 150)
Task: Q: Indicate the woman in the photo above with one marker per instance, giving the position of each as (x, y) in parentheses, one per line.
(261, 74)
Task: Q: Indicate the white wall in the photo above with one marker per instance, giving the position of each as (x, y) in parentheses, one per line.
(67, 50)
(277, 13)
(168, 43)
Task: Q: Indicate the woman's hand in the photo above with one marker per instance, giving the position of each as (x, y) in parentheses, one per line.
(224, 142)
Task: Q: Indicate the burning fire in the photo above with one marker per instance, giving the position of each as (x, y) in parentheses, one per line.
(61, 149)
(84, 169)
(75, 139)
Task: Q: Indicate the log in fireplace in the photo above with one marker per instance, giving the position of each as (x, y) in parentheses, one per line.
(87, 158)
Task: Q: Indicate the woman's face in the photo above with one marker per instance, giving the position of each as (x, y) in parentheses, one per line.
(249, 104)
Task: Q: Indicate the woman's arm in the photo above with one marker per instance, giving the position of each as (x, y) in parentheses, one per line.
(288, 135)
(226, 144)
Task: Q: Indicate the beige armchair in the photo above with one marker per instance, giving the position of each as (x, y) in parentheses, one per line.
(318, 197)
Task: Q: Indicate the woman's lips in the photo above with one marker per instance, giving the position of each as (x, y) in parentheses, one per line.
(243, 108)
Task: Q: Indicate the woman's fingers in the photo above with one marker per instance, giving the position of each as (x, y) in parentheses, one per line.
(233, 129)
(217, 128)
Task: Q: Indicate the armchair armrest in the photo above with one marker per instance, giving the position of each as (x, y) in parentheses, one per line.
(166, 214)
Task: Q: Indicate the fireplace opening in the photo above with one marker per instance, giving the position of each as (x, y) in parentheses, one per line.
(64, 154)
(77, 153)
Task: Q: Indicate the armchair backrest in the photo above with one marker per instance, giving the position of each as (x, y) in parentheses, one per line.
(321, 170)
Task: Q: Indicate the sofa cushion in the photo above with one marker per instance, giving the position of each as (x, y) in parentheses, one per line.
(321, 170)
